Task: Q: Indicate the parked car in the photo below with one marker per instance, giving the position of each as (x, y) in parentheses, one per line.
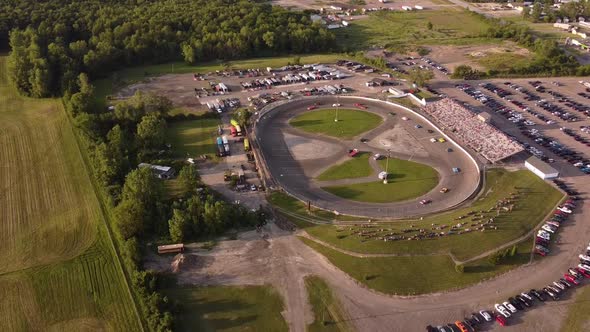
(502, 310)
(486, 315)
(501, 320)
(539, 295)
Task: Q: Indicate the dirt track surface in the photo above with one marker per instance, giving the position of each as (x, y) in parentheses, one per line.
(294, 175)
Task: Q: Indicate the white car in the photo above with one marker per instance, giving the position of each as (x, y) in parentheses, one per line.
(336, 105)
(502, 311)
(544, 235)
(564, 209)
(584, 267)
(553, 223)
(486, 315)
(548, 229)
(509, 307)
(584, 257)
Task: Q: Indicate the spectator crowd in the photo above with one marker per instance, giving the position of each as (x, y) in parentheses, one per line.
(490, 142)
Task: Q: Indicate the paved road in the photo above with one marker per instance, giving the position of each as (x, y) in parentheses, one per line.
(294, 175)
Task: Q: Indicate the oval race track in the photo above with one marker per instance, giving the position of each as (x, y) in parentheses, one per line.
(296, 176)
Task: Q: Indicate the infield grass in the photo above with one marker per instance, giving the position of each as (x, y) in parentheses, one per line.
(57, 269)
(350, 122)
(356, 167)
(229, 308)
(414, 275)
(537, 200)
(406, 180)
(329, 316)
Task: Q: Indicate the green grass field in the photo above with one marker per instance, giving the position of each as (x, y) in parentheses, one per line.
(577, 319)
(538, 199)
(57, 268)
(406, 179)
(350, 122)
(227, 308)
(328, 313)
(503, 61)
(193, 137)
(394, 29)
(413, 275)
(293, 205)
(357, 167)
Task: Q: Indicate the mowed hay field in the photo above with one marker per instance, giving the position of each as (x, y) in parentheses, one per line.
(57, 268)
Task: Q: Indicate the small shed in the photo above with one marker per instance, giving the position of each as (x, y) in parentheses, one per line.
(541, 168)
(171, 248)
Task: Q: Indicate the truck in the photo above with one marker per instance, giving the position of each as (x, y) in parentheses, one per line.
(238, 130)
(233, 131)
(225, 144)
(246, 145)
(220, 147)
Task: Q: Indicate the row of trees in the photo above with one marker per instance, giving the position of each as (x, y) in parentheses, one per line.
(53, 41)
(118, 140)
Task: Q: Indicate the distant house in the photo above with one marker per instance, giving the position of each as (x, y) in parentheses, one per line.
(162, 172)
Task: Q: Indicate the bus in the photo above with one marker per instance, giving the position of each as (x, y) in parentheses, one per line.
(246, 145)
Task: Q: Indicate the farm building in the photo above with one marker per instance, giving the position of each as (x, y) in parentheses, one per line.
(541, 168)
(162, 172)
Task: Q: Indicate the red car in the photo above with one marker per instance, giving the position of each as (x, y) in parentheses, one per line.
(361, 106)
(571, 279)
(312, 107)
(583, 272)
(353, 152)
(425, 201)
(501, 320)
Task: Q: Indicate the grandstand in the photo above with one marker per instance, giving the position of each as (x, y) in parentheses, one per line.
(493, 144)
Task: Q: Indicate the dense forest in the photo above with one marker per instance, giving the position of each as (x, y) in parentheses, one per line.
(52, 41)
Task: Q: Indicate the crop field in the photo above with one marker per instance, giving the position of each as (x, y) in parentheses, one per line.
(229, 308)
(536, 200)
(397, 275)
(350, 122)
(328, 313)
(51, 232)
(406, 180)
(357, 167)
(392, 29)
(193, 137)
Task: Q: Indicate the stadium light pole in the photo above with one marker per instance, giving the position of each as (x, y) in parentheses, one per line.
(337, 107)
(387, 167)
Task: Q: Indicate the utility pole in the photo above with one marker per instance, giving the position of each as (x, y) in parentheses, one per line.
(387, 168)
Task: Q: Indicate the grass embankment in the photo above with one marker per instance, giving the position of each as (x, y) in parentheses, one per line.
(577, 319)
(357, 167)
(403, 28)
(193, 137)
(406, 180)
(328, 313)
(350, 122)
(226, 308)
(415, 275)
(297, 207)
(537, 200)
(57, 266)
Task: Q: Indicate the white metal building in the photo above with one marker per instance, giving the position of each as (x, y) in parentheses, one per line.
(541, 168)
